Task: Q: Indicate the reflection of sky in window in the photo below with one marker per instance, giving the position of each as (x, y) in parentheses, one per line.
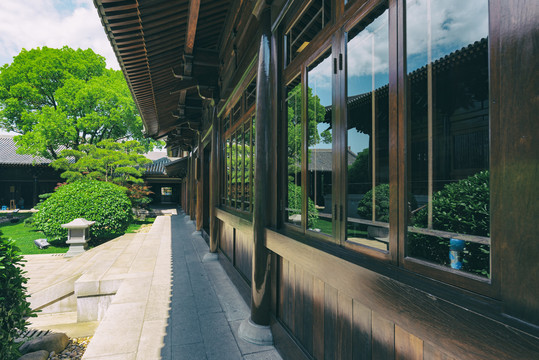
(368, 68)
(454, 25)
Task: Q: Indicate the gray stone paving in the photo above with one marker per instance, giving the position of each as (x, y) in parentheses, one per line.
(206, 308)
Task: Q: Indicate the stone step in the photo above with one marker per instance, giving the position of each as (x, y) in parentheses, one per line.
(59, 283)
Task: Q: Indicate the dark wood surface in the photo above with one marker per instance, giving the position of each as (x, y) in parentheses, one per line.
(421, 314)
(515, 159)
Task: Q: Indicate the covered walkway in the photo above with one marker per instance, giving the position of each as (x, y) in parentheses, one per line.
(169, 304)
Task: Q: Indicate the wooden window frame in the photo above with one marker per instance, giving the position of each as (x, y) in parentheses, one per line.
(333, 36)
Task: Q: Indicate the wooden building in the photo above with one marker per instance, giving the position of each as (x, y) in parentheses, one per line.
(438, 99)
(23, 176)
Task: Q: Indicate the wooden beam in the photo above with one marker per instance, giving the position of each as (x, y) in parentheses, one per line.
(194, 7)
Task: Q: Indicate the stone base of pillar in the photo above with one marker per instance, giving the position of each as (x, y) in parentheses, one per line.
(196, 233)
(255, 334)
(210, 257)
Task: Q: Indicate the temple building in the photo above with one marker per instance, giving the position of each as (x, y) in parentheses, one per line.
(365, 170)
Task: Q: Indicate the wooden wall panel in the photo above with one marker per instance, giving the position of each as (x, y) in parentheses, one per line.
(344, 330)
(298, 306)
(383, 338)
(226, 239)
(308, 286)
(407, 346)
(362, 332)
(318, 319)
(330, 322)
(243, 253)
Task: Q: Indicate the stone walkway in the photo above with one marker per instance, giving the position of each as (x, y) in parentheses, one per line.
(165, 302)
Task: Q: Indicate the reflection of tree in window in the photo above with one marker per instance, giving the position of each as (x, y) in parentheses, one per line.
(448, 131)
(319, 153)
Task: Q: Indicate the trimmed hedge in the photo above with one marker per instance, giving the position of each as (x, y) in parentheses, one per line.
(14, 308)
(105, 203)
(462, 207)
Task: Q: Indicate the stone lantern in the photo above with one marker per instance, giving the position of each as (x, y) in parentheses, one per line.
(77, 236)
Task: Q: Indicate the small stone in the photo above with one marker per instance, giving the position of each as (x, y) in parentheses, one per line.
(36, 355)
(50, 342)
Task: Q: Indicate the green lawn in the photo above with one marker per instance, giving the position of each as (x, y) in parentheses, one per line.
(136, 224)
(24, 236)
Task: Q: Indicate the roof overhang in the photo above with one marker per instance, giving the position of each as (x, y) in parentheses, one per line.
(167, 50)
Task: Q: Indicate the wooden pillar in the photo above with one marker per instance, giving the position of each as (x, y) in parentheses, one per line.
(199, 183)
(260, 282)
(191, 186)
(214, 183)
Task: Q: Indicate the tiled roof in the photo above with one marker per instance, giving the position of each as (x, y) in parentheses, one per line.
(9, 156)
(157, 167)
(320, 159)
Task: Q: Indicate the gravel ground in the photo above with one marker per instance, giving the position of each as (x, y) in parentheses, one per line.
(74, 349)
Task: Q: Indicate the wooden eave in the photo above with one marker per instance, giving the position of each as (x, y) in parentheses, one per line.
(150, 39)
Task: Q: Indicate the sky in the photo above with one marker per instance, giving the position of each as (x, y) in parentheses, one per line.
(54, 23)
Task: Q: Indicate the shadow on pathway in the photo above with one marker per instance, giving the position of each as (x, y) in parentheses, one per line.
(205, 308)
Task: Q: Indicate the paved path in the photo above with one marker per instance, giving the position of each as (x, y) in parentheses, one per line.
(175, 306)
(206, 308)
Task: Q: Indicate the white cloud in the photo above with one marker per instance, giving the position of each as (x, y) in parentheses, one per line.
(35, 23)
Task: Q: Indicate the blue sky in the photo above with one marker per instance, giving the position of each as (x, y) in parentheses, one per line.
(54, 23)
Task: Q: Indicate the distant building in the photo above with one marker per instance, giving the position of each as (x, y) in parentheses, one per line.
(23, 176)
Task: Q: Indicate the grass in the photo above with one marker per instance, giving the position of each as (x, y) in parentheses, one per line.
(24, 236)
(136, 224)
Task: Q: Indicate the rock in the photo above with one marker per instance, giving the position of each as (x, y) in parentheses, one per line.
(50, 342)
(36, 355)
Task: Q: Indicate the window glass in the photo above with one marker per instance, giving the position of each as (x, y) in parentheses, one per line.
(368, 132)
(311, 22)
(240, 168)
(228, 165)
(250, 94)
(253, 155)
(294, 199)
(319, 153)
(233, 166)
(247, 167)
(448, 133)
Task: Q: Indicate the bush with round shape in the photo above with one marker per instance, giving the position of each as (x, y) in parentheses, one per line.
(14, 308)
(105, 203)
(462, 207)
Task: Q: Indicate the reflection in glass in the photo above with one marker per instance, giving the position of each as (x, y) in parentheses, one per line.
(228, 166)
(368, 133)
(448, 133)
(253, 156)
(240, 169)
(294, 199)
(247, 167)
(312, 21)
(233, 166)
(319, 138)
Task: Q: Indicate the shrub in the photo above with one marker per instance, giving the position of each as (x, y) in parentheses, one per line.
(14, 309)
(105, 203)
(364, 208)
(460, 207)
(294, 202)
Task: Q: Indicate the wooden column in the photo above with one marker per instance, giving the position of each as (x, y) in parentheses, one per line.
(199, 184)
(214, 183)
(260, 285)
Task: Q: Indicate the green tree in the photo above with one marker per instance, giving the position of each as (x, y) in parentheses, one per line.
(109, 161)
(64, 98)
